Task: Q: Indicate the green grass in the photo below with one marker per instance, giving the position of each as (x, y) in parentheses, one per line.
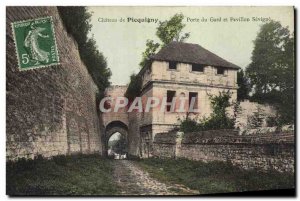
(93, 175)
(62, 175)
(214, 177)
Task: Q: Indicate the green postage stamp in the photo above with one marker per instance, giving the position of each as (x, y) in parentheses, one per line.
(35, 43)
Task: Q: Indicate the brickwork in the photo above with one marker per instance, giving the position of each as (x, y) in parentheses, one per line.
(50, 110)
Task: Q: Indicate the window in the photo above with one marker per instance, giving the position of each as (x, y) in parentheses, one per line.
(197, 67)
(170, 95)
(193, 95)
(172, 65)
(220, 71)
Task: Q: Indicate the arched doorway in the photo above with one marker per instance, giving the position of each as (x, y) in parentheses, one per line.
(117, 145)
(116, 138)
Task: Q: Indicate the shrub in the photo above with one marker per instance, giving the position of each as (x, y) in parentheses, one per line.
(189, 125)
(272, 121)
(134, 87)
(218, 119)
(256, 120)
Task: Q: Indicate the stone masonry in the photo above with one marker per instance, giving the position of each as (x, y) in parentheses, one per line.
(266, 151)
(114, 92)
(51, 110)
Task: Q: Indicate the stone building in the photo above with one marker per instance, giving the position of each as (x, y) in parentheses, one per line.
(181, 70)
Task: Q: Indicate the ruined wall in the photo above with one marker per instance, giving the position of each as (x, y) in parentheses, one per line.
(247, 110)
(272, 151)
(52, 110)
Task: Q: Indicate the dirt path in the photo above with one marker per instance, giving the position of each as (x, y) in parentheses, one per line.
(132, 180)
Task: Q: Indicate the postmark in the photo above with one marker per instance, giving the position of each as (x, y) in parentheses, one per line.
(35, 43)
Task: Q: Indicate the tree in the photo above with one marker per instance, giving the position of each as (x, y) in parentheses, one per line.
(243, 86)
(134, 87)
(171, 30)
(151, 48)
(167, 31)
(219, 119)
(271, 71)
(256, 120)
(77, 20)
(120, 145)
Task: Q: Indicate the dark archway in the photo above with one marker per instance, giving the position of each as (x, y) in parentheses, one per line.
(112, 128)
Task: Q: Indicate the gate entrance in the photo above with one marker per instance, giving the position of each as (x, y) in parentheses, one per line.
(116, 140)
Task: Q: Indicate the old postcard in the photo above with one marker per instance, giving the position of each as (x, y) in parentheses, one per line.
(150, 101)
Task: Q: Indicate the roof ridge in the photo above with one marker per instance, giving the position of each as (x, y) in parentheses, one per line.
(191, 53)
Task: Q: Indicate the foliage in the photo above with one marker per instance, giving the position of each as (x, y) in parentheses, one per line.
(167, 31)
(118, 145)
(271, 72)
(220, 103)
(215, 177)
(218, 119)
(62, 175)
(96, 64)
(244, 86)
(171, 30)
(151, 48)
(77, 20)
(272, 121)
(188, 125)
(134, 88)
(256, 120)
(236, 111)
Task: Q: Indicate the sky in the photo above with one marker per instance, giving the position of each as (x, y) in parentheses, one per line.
(122, 42)
(115, 136)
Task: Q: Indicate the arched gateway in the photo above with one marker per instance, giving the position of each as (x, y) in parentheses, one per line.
(115, 122)
(113, 128)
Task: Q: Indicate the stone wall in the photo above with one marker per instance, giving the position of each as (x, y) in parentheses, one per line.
(134, 133)
(114, 92)
(270, 151)
(164, 145)
(51, 110)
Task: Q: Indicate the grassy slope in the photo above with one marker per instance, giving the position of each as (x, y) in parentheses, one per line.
(92, 175)
(72, 175)
(215, 177)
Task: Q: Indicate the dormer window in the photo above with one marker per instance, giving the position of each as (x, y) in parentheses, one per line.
(172, 65)
(220, 71)
(197, 67)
